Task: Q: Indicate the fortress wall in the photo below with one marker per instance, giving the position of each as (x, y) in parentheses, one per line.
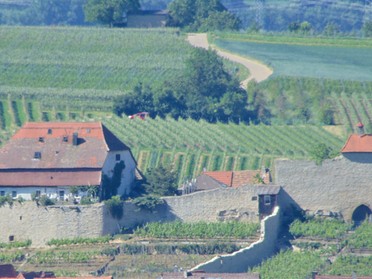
(242, 260)
(338, 185)
(40, 224)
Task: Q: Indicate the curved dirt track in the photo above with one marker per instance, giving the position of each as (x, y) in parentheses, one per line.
(258, 71)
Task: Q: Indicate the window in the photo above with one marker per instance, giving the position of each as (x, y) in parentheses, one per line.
(11, 238)
(37, 194)
(41, 139)
(65, 138)
(14, 194)
(61, 195)
(2, 193)
(37, 155)
(254, 198)
(50, 131)
(117, 157)
(267, 199)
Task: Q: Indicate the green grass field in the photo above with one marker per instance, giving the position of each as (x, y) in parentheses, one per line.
(348, 59)
(79, 63)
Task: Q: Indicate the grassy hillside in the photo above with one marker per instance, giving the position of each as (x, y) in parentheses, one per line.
(342, 59)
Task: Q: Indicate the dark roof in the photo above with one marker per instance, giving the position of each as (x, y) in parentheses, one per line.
(7, 270)
(113, 143)
(358, 143)
(149, 12)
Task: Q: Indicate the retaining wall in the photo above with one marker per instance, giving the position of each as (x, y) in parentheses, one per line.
(242, 260)
(40, 224)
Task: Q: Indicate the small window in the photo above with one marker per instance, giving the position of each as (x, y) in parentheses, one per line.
(65, 138)
(50, 131)
(41, 139)
(254, 198)
(37, 155)
(61, 195)
(14, 194)
(267, 199)
(11, 238)
(37, 194)
(2, 193)
(117, 157)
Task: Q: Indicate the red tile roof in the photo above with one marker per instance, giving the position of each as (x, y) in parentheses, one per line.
(51, 178)
(225, 177)
(237, 179)
(358, 143)
(61, 163)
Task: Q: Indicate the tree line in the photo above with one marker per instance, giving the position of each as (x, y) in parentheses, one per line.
(205, 90)
(199, 15)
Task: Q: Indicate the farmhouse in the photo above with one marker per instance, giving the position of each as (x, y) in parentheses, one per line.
(49, 158)
(147, 19)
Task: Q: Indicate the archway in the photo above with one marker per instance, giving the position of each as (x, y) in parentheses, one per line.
(361, 213)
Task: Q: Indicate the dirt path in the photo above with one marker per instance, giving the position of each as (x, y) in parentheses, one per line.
(258, 71)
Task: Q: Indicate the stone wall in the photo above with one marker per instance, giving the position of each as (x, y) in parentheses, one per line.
(242, 260)
(40, 224)
(338, 185)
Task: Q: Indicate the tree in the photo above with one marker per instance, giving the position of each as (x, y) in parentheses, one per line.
(201, 15)
(220, 21)
(109, 11)
(320, 152)
(140, 99)
(110, 185)
(161, 181)
(367, 29)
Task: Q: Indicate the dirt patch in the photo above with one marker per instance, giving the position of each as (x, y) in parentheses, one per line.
(258, 71)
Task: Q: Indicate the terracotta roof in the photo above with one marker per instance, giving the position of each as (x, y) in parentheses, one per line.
(225, 177)
(45, 154)
(50, 178)
(56, 148)
(358, 143)
(7, 271)
(237, 179)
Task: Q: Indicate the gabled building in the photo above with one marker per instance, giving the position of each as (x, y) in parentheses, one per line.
(231, 179)
(358, 147)
(49, 158)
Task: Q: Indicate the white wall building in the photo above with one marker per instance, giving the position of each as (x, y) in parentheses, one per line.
(56, 159)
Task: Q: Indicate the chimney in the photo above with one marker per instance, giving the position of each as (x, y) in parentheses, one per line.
(360, 128)
(75, 139)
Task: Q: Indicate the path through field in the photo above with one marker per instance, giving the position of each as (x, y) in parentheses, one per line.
(258, 71)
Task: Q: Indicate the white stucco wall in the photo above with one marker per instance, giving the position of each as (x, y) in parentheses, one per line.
(128, 174)
(26, 192)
